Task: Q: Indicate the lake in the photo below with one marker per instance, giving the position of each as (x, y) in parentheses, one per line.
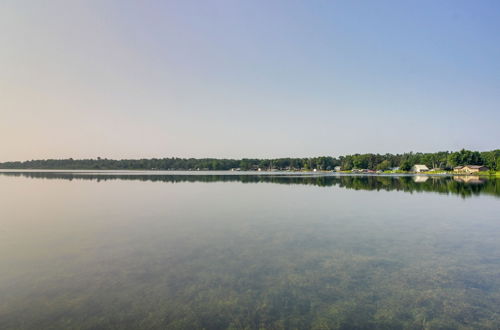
(136, 250)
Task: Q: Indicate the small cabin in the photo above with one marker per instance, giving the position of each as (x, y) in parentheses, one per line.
(417, 168)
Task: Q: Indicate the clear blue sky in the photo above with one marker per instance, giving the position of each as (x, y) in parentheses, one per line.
(130, 79)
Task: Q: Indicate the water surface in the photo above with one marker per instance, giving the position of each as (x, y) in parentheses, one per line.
(94, 250)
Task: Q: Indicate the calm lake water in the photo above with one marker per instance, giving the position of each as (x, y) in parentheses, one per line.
(116, 251)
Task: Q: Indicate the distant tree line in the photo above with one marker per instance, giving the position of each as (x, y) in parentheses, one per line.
(444, 160)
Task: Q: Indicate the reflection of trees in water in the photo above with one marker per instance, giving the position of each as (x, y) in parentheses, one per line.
(464, 186)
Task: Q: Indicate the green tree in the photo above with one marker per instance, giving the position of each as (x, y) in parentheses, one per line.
(384, 165)
(405, 165)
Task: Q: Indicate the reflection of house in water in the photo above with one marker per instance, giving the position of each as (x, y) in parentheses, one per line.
(468, 179)
(420, 178)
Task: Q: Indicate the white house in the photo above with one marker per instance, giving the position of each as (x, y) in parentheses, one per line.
(419, 168)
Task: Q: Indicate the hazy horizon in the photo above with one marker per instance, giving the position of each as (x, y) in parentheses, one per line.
(234, 79)
(236, 158)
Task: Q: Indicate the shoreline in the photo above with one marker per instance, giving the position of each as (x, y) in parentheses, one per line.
(229, 172)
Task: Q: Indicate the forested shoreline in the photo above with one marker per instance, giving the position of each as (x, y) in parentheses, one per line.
(445, 160)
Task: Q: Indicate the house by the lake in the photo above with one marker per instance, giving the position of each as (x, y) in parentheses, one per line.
(417, 168)
(470, 169)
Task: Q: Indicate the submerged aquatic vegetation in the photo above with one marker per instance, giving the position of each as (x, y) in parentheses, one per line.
(361, 255)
